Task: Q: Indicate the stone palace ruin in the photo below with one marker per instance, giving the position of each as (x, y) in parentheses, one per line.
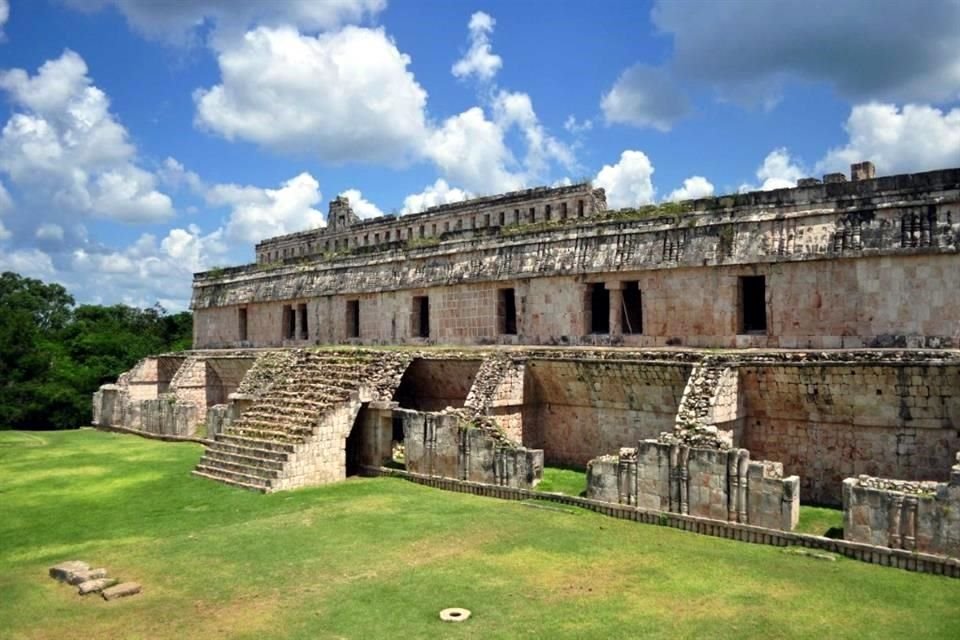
(721, 359)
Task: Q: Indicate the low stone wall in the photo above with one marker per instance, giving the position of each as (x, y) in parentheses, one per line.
(113, 408)
(915, 516)
(447, 445)
(900, 558)
(707, 482)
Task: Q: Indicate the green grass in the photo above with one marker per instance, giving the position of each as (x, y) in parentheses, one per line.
(572, 482)
(378, 558)
(821, 521)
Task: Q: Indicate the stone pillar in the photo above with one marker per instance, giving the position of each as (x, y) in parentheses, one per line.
(616, 306)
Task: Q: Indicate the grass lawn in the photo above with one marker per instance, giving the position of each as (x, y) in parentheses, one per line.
(378, 558)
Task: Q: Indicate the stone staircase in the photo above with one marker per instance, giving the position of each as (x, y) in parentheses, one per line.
(311, 399)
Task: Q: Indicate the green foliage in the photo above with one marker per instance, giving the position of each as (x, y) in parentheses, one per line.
(54, 354)
(380, 557)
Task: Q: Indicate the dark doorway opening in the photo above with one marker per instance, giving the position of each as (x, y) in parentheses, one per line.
(632, 311)
(304, 330)
(353, 318)
(242, 320)
(354, 448)
(421, 316)
(753, 305)
(507, 312)
(289, 322)
(599, 308)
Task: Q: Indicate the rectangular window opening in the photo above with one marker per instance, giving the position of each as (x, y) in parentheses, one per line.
(507, 312)
(632, 311)
(579, 208)
(486, 219)
(421, 316)
(547, 210)
(304, 330)
(599, 301)
(353, 318)
(753, 305)
(503, 218)
(242, 321)
(563, 210)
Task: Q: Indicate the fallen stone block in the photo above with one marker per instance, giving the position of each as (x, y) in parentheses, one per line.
(95, 586)
(64, 569)
(76, 577)
(121, 590)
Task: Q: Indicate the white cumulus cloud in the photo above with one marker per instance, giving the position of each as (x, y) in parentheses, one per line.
(360, 205)
(345, 96)
(65, 150)
(693, 187)
(778, 171)
(258, 213)
(897, 140)
(433, 195)
(479, 60)
(628, 183)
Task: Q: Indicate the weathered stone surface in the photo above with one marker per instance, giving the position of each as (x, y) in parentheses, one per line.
(64, 570)
(95, 586)
(121, 590)
(76, 577)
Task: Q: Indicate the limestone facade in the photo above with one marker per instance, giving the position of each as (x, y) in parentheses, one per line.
(866, 263)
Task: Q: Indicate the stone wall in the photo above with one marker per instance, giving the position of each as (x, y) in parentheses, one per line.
(470, 218)
(576, 410)
(916, 516)
(809, 304)
(845, 265)
(830, 421)
(448, 445)
(720, 484)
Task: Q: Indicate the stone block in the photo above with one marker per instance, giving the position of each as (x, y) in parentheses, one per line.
(95, 586)
(121, 590)
(64, 570)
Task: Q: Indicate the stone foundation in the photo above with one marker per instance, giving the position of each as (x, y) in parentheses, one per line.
(704, 482)
(916, 516)
(448, 445)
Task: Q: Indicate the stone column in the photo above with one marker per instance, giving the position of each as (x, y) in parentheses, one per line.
(616, 306)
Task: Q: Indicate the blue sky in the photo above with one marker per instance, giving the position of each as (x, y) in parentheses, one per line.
(143, 140)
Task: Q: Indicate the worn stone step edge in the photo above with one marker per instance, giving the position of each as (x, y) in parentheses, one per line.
(236, 467)
(235, 483)
(250, 478)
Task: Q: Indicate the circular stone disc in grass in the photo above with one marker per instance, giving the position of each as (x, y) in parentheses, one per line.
(454, 614)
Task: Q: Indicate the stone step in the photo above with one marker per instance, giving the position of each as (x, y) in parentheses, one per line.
(286, 425)
(243, 485)
(294, 436)
(254, 471)
(256, 443)
(285, 414)
(227, 457)
(282, 398)
(258, 453)
(236, 476)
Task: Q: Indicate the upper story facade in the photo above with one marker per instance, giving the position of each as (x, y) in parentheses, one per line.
(346, 232)
(859, 262)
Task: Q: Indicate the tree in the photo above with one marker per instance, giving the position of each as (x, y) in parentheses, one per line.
(54, 355)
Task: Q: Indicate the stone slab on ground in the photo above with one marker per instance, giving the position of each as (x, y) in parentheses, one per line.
(121, 590)
(77, 577)
(95, 586)
(63, 570)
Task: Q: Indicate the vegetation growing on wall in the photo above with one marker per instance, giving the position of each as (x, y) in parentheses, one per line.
(54, 354)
